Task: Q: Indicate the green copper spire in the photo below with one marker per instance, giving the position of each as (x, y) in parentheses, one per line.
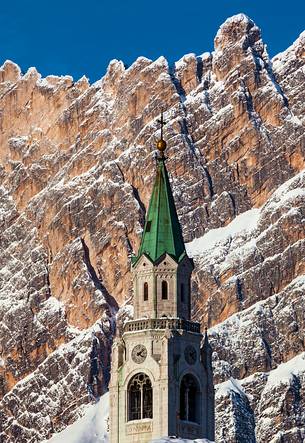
(162, 231)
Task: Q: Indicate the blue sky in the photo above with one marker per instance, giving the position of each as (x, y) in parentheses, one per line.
(81, 37)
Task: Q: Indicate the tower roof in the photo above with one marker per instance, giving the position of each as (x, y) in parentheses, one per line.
(162, 232)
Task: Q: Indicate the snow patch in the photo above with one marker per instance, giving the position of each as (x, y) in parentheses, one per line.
(231, 385)
(91, 428)
(286, 193)
(235, 19)
(245, 222)
(286, 371)
(284, 58)
(183, 62)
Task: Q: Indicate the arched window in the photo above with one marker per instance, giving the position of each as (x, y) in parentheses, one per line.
(140, 401)
(145, 291)
(189, 399)
(182, 296)
(164, 290)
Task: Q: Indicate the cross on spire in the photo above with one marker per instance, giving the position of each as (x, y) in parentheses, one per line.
(161, 144)
(162, 124)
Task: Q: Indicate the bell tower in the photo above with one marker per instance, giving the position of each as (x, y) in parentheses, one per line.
(161, 377)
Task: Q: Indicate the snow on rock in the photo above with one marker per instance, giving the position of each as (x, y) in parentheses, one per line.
(91, 428)
(290, 191)
(286, 372)
(230, 385)
(270, 327)
(76, 170)
(272, 395)
(282, 60)
(243, 224)
(59, 383)
(236, 21)
(252, 257)
(281, 403)
(10, 72)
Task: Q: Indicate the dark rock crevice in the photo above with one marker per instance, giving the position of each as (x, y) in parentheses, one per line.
(141, 205)
(95, 279)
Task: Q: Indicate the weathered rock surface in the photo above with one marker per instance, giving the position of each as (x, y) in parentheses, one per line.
(75, 178)
(265, 407)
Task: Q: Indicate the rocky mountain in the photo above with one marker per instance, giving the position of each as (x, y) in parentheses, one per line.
(77, 165)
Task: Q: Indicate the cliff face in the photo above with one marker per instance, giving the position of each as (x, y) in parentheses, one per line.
(76, 172)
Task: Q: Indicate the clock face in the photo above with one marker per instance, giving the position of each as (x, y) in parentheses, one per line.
(190, 355)
(139, 353)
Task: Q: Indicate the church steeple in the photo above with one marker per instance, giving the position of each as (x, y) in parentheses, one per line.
(162, 232)
(161, 380)
(162, 269)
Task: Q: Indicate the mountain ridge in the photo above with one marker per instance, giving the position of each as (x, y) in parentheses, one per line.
(75, 179)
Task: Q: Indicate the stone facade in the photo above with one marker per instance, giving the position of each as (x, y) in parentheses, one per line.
(177, 278)
(166, 364)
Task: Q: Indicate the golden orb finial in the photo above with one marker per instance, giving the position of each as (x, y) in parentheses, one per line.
(161, 144)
